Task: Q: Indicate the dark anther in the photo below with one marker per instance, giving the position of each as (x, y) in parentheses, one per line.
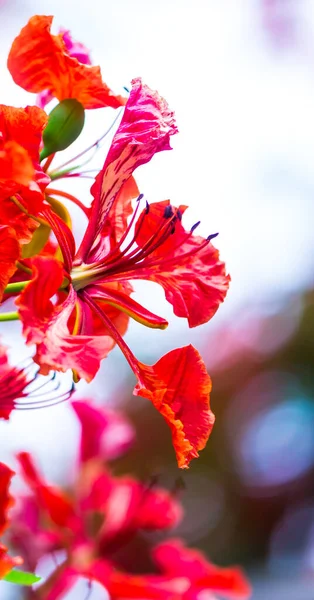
(179, 214)
(194, 226)
(168, 212)
(139, 198)
(147, 208)
(212, 236)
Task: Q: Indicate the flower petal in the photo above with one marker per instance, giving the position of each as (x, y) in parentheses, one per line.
(46, 325)
(51, 499)
(16, 168)
(6, 500)
(132, 506)
(186, 266)
(104, 434)
(179, 386)
(176, 560)
(40, 61)
(145, 129)
(21, 133)
(9, 254)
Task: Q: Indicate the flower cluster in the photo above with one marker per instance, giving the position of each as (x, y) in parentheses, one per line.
(74, 301)
(95, 521)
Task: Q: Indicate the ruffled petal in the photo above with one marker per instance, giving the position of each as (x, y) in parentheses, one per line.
(40, 61)
(175, 560)
(186, 266)
(179, 386)
(104, 434)
(20, 138)
(145, 129)
(9, 254)
(46, 325)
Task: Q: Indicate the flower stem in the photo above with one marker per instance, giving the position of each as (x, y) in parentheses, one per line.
(48, 162)
(14, 288)
(9, 316)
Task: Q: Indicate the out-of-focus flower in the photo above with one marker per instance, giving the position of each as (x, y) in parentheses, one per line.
(89, 522)
(79, 332)
(7, 563)
(105, 434)
(41, 62)
(95, 521)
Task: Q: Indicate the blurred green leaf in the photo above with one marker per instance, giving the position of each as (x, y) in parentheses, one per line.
(21, 577)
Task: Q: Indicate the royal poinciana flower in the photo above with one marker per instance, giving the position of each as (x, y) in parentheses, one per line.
(95, 521)
(95, 278)
(7, 562)
(41, 62)
(22, 388)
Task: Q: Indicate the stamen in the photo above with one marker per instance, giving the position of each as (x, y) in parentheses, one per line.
(212, 236)
(24, 388)
(168, 212)
(194, 226)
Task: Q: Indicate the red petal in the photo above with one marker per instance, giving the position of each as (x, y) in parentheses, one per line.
(145, 129)
(53, 500)
(132, 506)
(40, 61)
(46, 325)
(9, 254)
(176, 560)
(194, 279)
(179, 386)
(6, 500)
(24, 126)
(121, 210)
(122, 302)
(16, 168)
(104, 434)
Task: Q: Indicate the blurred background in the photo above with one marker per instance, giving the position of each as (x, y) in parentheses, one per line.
(240, 76)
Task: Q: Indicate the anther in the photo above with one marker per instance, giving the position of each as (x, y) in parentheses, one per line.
(147, 208)
(168, 212)
(139, 198)
(179, 214)
(194, 226)
(212, 236)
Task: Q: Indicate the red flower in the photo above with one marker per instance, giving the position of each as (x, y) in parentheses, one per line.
(94, 523)
(6, 501)
(90, 522)
(79, 332)
(39, 61)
